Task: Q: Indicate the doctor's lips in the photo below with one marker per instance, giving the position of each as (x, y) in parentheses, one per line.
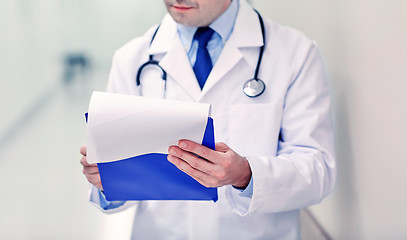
(182, 8)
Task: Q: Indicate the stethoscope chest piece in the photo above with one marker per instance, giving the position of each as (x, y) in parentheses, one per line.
(254, 87)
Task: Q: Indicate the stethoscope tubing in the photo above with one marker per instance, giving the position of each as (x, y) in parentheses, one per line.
(263, 32)
(153, 62)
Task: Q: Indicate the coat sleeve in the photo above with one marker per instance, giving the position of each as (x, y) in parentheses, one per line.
(303, 172)
(98, 199)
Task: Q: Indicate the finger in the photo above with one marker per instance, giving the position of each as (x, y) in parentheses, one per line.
(83, 150)
(194, 161)
(201, 177)
(199, 150)
(90, 170)
(85, 163)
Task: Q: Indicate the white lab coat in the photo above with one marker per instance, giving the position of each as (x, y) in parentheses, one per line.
(285, 133)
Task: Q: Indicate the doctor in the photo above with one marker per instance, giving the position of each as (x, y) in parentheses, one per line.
(275, 153)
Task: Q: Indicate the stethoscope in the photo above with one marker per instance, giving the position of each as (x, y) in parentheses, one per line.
(252, 88)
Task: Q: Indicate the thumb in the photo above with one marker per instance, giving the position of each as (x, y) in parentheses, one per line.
(221, 147)
(83, 150)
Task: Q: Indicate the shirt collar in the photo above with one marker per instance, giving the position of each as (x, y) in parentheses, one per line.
(223, 26)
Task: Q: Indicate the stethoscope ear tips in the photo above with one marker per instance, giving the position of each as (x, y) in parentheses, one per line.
(254, 88)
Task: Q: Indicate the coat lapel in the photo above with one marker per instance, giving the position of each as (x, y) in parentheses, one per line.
(246, 34)
(174, 58)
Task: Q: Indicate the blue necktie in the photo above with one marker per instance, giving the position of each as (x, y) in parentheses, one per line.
(203, 63)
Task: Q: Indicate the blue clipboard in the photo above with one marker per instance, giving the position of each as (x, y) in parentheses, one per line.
(153, 177)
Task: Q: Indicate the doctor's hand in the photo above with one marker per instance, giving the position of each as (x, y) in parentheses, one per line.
(91, 171)
(211, 168)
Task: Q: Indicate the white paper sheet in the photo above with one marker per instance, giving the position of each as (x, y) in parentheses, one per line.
(123, 126)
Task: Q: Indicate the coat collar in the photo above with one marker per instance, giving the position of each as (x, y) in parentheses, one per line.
(247, 25)
(246, 34)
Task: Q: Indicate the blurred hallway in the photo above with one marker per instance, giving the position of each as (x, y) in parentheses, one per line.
(44, 191)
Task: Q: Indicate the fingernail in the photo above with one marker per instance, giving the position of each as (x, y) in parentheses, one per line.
(173, 152)
(182, 145)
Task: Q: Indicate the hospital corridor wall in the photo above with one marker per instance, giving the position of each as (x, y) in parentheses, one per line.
(54, 53)
(364, 46)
